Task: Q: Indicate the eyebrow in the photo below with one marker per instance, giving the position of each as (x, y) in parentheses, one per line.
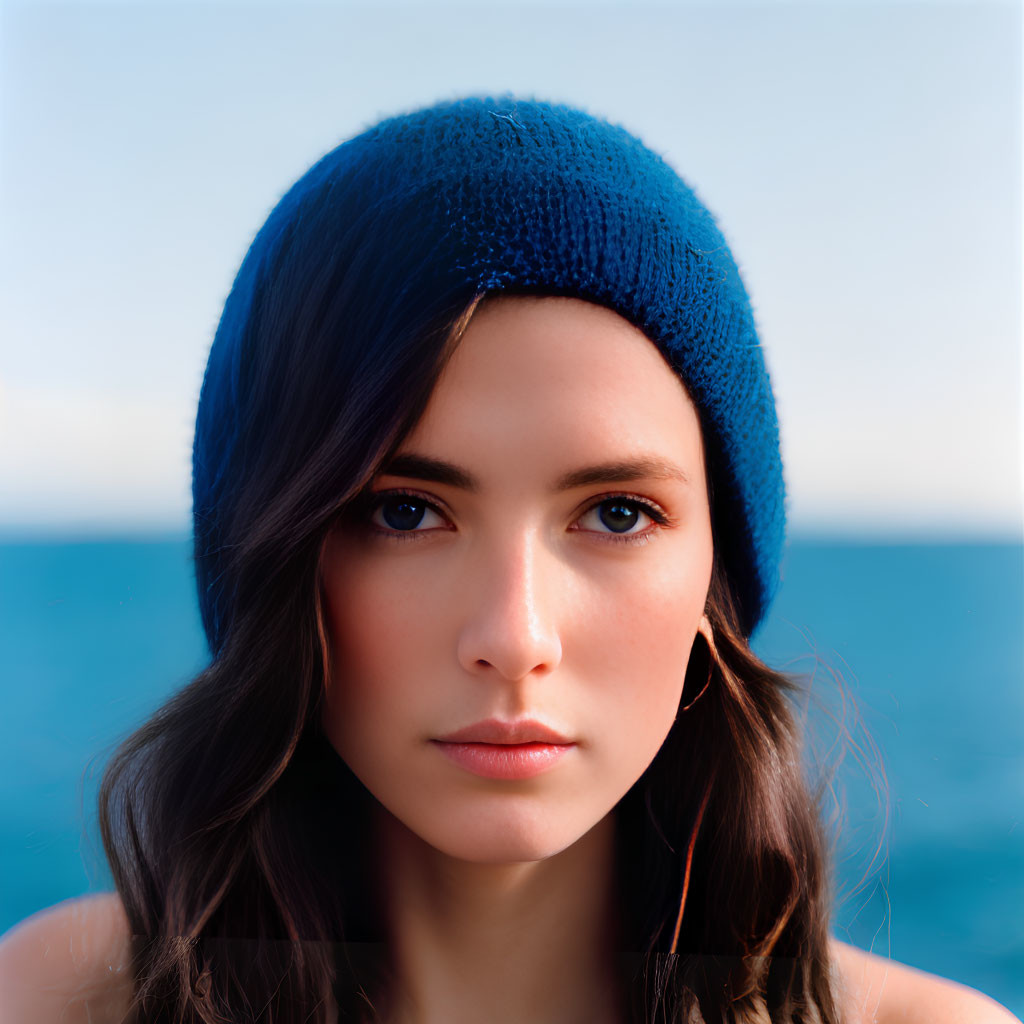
(423, 467)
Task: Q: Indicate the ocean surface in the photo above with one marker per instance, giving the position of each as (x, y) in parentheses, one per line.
(912, 657)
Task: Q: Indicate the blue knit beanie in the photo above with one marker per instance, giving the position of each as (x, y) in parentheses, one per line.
(519, 195)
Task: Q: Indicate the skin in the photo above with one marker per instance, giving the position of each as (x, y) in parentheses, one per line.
(518, 600)
(510, 603)
(70, 964)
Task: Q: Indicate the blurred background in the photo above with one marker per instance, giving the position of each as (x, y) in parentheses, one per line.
(864, 161)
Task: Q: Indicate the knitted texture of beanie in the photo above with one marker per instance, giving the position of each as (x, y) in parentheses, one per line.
(510, 194)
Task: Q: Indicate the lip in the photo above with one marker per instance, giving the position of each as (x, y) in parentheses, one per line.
(494, 731)
(505, 750)
(505, 760)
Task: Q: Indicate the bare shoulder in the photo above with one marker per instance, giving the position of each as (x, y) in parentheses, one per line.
(874, 990)
(69, 963)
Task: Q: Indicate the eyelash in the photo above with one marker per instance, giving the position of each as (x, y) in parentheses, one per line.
(656, 514)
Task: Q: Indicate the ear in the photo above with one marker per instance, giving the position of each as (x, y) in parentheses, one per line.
(705, 629)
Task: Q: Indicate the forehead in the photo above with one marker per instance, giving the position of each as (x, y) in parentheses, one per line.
(557, 374)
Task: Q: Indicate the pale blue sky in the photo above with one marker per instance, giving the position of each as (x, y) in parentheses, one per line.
(862, 159)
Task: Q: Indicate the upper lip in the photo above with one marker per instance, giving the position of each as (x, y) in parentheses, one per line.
(525, 730)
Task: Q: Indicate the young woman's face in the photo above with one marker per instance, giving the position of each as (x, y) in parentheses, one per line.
(511, 623)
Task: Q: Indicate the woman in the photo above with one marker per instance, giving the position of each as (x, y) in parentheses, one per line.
(488, 501)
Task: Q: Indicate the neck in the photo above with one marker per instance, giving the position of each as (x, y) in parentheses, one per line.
(500, 942)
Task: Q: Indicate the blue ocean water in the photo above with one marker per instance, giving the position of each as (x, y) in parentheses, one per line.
(924, 730)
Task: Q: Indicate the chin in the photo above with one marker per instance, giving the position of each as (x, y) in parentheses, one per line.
(500, 849)
(504, 837)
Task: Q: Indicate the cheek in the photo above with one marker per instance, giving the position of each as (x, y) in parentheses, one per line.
(369, 620)
(383, 636)
(634, 647)
(373, 642)
(377, 614)
(646, 619)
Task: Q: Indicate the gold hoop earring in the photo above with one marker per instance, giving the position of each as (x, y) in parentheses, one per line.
(705, 631)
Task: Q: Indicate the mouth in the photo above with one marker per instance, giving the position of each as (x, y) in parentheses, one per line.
(494, 731)
(505, 750)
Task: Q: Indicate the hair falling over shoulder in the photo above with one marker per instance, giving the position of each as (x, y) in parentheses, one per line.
(724, 860)
(236, 837)
(239, 840)
(239, 848)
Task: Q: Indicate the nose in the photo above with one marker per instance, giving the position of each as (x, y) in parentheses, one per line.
(510, 628)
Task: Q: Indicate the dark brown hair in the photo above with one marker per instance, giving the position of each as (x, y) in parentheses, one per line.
(238, 839)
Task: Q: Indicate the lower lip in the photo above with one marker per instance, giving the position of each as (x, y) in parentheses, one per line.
(505, 761)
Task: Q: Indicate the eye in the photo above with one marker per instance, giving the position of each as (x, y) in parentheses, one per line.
(404, 513)
(622, 518)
